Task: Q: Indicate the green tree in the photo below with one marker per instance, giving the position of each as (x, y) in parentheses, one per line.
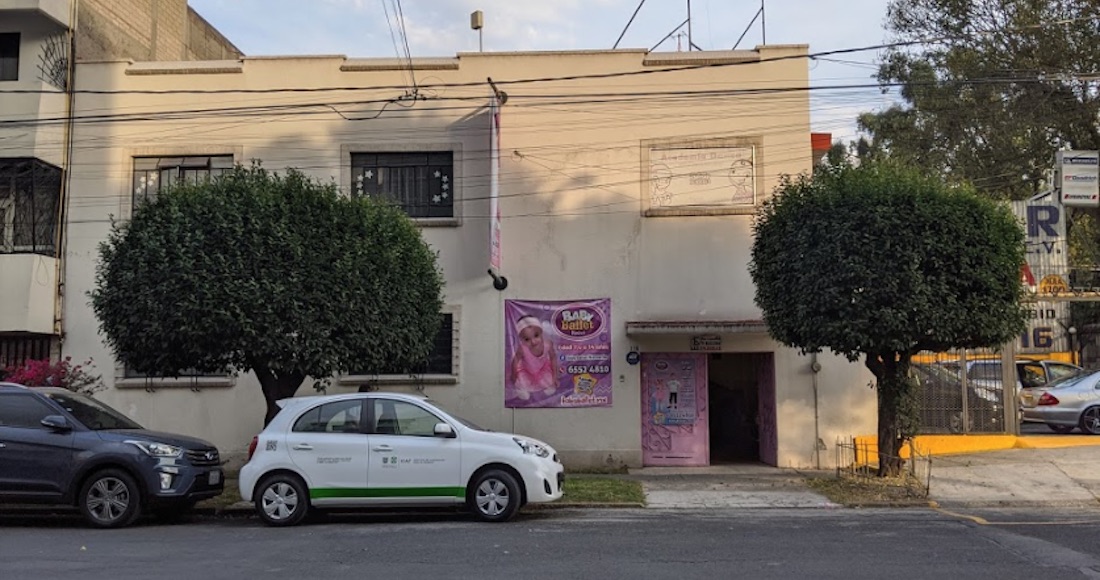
(881, 262)
(991, 91)
(275, 274)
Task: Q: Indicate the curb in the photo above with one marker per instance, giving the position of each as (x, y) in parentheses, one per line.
(246, 509)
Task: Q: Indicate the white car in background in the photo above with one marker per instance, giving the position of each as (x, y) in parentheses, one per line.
(394, 450)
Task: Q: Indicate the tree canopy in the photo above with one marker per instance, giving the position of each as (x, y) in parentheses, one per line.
(990, 89)
(277, 274)
(881, 262)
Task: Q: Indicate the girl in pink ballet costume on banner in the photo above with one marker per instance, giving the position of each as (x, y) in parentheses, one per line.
(535, 362)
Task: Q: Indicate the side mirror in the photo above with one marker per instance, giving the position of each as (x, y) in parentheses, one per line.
(57, 423)
(444, 430)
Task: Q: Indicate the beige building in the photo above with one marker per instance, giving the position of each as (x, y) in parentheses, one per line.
(624, 176)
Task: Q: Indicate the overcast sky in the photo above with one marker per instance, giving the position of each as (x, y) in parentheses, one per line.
(359, 28)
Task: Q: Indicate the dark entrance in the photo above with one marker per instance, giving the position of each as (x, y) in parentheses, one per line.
(735, 391)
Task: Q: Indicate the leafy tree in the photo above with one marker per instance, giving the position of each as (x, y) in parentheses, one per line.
(275, 274)
(881, 262)
(992, 90)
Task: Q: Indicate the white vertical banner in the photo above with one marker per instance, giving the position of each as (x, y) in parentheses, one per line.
(1044, 273)
(1078, 178)
(494, 183)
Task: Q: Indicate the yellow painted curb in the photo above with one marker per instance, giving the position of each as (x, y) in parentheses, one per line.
(962, 444)
(1056, 441)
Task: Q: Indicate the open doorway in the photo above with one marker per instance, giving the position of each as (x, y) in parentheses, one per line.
(742, 403)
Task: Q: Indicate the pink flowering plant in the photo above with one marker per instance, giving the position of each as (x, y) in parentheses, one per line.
(63, 373)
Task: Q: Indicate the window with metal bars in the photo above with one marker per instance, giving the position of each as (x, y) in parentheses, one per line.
(153, 174)
(440, 360)
(420, 183)
(30, 190)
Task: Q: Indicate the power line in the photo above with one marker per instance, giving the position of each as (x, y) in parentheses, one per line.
(627, 27)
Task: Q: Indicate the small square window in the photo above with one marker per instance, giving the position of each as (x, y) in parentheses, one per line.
(422, 183)
(9, 56)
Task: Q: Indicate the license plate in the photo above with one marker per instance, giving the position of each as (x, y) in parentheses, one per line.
(214, 477)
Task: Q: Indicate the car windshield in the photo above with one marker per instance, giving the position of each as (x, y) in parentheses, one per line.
(91, 413)
(464, 422)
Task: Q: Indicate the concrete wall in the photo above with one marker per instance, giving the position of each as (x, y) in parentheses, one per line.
(147, 30)
(574, 191)
(28, 285)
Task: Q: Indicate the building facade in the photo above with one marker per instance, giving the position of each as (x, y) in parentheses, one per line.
(613, 190)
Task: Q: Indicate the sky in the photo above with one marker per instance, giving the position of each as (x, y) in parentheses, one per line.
(360, 28)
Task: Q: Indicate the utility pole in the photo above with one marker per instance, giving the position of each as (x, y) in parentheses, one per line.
(690, 43)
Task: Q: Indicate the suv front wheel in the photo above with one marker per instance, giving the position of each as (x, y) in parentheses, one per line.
(110, 499)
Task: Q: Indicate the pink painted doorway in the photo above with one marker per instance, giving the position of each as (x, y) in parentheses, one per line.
(742, 405)
(674, 409)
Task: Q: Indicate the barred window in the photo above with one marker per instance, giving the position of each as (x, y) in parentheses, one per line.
(29, 194)
(153, 174)
(440, 360)
(421, 183)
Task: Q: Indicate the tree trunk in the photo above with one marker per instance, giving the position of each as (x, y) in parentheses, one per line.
(276, 387)
(895, 391)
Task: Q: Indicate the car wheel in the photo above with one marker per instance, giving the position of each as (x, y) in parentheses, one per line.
(495, 496)
(1063, 429)
(110, 499)
(282, 500)
(1090, 421)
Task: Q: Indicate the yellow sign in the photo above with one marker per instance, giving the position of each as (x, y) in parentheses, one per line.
(1053, 284)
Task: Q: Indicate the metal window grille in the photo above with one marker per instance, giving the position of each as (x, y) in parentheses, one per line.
(29, 194)
(420, 183)
(16, 350)
(440, 360)
(153, 174)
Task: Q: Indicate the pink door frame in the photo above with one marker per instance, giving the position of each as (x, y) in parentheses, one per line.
(674, 444)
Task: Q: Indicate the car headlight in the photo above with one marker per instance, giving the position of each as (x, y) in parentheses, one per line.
(157, 449)
(531, 447)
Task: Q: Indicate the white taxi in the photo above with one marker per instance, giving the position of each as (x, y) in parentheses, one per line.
(394, 450)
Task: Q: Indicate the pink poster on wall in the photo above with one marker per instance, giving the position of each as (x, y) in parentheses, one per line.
(557, 353)
(674, 409)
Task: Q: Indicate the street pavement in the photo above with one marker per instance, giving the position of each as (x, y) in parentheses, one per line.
(570, 543)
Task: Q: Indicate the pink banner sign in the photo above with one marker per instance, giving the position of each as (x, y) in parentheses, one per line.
(557, 353)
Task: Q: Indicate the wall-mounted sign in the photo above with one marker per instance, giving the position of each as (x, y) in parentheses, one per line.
(1078, 177)
(633, 357)
(710, 343)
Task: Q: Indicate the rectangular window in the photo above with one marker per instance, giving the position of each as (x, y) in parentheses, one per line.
(421, 183)
(9, 56)
(441, 358)
(29, 194)
(152, 174)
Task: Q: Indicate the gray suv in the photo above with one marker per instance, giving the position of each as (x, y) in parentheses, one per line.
(60, 447)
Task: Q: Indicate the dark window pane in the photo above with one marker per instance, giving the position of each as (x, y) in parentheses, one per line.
(23, 411)
(421, 183)
(29, 194)
(9, 56)
(338, 417)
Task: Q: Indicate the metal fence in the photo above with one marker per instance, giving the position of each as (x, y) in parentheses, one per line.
(859, 459)
(961, 392)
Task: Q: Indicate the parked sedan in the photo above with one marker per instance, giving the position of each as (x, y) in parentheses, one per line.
(393, 450)
(1074, 403)
(60, 447)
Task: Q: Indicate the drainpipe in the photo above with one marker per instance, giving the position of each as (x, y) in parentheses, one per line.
(61, 239)
(815, 367)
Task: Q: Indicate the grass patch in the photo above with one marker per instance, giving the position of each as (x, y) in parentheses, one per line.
(602, 490)
(870, 491)
(609, 470)
(230, 496)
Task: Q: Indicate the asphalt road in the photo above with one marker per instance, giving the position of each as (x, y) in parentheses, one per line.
(608, 544)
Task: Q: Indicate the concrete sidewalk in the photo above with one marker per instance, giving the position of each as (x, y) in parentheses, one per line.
(1018, 478)
(726, 486)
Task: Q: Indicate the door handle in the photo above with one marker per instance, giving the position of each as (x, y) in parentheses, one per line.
(382, 448)
(302, 447)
